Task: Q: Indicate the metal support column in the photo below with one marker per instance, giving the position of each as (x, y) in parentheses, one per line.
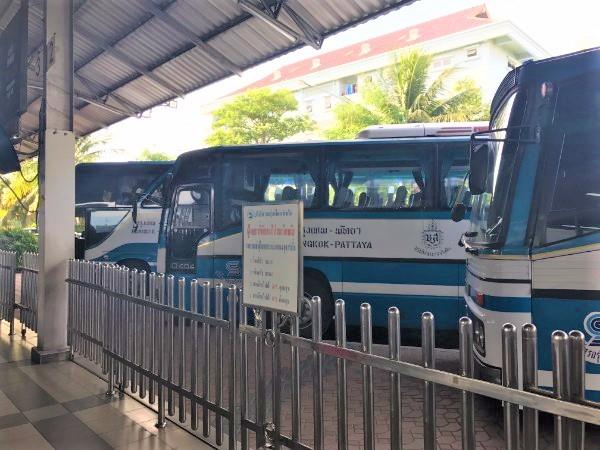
(57, 182)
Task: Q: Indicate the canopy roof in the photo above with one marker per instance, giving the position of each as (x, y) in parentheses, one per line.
(132, 55)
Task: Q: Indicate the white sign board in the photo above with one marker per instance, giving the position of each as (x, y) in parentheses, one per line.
(272, 256)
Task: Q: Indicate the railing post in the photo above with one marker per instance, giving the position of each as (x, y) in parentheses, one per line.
(366, 337)
(530, 381)
(560, 375)
(244, 373)
(510, 378)
(296, 406)
(428, 350)
(161, 423)
(395, 391)
(465, 332)
(171, 344)
(205, 358)
(194, 355)
(577, 386)
(233, 332)
(111, 284)
(317, 361)
(342, 395)
(182, 341)
(12, 261)
(219, 363)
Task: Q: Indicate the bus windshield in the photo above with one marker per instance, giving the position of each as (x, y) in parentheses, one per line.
(489, 208)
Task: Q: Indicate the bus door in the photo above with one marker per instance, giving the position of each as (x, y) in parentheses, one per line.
(190, 222)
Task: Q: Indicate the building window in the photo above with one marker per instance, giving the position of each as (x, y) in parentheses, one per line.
(327, 101)
(471, 52)
(349, 86)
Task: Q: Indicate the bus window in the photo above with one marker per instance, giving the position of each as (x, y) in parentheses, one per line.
(454, 164)
(575, 205)
(101, 223)
(254, 178)
(156, 198)
(393, 178)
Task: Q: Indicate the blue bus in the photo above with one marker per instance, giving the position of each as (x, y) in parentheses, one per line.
(534, 243)
(118, 210)
(377, 222)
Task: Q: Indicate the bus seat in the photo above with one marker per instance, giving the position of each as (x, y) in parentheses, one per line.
(289, 193)
(349, 202)
(341, 197)
(363, 200)
(416, 199)
(400, 200)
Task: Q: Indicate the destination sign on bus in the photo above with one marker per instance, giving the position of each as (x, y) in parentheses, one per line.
(272, 256)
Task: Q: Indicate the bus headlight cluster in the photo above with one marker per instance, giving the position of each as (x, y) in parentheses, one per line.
(479, 336)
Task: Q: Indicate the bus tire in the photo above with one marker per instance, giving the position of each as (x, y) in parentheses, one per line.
(315, 284)
(137, 264)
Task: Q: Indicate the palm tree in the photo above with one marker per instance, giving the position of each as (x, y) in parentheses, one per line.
(19, 202)
(405, 94)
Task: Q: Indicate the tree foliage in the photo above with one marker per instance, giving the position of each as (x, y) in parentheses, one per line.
(149, 155)
(405, 94)
(15, 214)
(258, 116)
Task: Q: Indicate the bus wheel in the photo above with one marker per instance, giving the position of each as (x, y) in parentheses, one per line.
(135, 264)
(315, 285)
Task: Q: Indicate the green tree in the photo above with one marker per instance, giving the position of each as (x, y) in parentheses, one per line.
(258, 116)
(404, 94)
(149, 155)
(24, 185)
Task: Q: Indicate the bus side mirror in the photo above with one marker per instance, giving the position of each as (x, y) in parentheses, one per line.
(478, 167)
(458, 212)
(134, 212)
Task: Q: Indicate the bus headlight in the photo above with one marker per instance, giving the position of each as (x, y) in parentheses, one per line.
(479, 335)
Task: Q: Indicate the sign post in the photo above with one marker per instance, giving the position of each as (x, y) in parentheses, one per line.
(272, 256)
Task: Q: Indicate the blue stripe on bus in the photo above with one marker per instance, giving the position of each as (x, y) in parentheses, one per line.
(401, 273)
(507, 304)
(144, 251)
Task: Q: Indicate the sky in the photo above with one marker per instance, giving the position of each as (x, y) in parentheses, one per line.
(558, 26)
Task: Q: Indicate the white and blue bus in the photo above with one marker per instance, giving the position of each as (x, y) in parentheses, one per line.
(534, 242)
(118, 210)
(376, 217)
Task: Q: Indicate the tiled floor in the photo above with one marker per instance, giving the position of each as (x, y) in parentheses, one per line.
(63, 406)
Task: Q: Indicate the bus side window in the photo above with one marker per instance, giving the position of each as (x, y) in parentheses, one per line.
(388, 178)
(454, 164)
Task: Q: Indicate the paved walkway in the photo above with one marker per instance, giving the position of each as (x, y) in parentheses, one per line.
(63, 406)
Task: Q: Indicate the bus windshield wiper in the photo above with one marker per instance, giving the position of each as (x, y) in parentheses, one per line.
(494, 227)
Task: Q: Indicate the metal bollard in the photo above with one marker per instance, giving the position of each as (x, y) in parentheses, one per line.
(233, 333)
(560, 376)
(261, 407)
(150, 318)
(510, 378)
(194, 355)
(296, 406)
(428, 349)
(170, 344)
(577, 386)
(530, 381)
(110, 326)
(162, 422)
(366, 338)
(275, 336)
(143, 337)
(219, 364)
(342, 394)
(182, 367)
(205, 358)
(132, 322)
(465, 333)
(244, 373)
(317, 362)
(395, 392)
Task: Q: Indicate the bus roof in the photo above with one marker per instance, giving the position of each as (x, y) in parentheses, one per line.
(124, 163)
(442, 129)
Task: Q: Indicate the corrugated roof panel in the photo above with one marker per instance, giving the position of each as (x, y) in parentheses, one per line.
(149, 42)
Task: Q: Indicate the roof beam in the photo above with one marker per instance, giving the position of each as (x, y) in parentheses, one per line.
(184, 31)
(127, 60)
(132, 108)
(308, 36)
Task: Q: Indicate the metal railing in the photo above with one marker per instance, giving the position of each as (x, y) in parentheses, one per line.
(8, 267)
(29, 299)
(136, 327)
